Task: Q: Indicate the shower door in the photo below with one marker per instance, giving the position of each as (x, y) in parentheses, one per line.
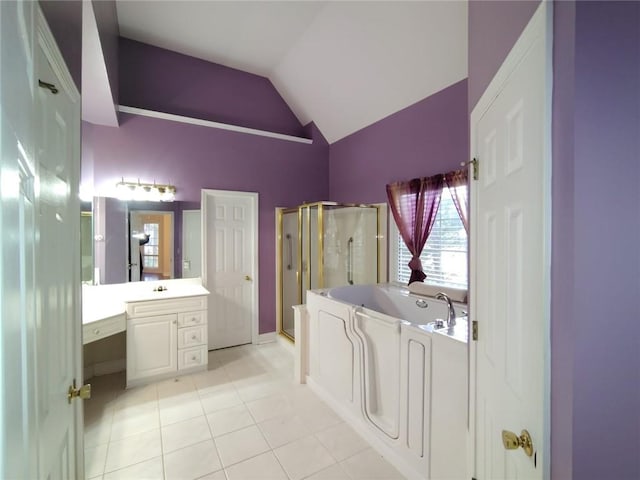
(289, 269)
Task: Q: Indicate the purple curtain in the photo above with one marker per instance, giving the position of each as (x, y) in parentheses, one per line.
(460, 196)
(414, 205)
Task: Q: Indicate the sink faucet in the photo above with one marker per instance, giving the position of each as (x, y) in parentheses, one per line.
(451, 316)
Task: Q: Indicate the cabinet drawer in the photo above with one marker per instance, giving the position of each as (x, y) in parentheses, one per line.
(192, 357)
(162, 307)
(103, 328)
(191, 319)
(192, 336)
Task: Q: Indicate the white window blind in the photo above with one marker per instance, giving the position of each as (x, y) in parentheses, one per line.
(444, 258)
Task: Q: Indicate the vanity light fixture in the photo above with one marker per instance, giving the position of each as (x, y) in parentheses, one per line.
(150, 192)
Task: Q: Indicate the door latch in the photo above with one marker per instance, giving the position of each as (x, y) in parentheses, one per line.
(84, 392)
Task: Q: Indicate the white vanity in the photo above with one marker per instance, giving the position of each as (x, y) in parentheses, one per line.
(165, 324)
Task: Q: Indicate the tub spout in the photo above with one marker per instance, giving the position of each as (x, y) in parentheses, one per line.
(451, 315)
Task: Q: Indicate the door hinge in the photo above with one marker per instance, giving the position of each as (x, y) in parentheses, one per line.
(474, 330)
(474, 164)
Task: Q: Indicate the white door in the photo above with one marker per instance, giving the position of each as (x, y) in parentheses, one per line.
(230, 243)
(191, 244)
(510, 256)
(40, 289)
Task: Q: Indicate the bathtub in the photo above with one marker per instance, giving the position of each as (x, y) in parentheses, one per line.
(372, 353)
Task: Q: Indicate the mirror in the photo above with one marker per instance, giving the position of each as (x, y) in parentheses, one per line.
(119, 228)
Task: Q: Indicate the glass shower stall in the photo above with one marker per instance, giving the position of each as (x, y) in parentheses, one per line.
(322, 245)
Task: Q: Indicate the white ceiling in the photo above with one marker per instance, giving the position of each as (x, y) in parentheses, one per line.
(343, 65)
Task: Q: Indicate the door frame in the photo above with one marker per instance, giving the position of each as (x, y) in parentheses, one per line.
(540, 24)
(255, 294)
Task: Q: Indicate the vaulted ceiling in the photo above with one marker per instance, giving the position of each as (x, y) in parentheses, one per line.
(343, 65)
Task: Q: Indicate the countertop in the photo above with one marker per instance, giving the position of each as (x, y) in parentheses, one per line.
(102, 302)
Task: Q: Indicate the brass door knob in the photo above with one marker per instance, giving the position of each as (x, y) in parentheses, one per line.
(511, 441)
(247, 278)
(84, 392)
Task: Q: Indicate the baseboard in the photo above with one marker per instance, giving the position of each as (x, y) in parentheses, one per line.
(105, 368)
(267, 338)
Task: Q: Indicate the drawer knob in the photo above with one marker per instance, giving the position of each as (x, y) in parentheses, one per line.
(194, 358)
(194, 337)
(193, 319)
(96, 331)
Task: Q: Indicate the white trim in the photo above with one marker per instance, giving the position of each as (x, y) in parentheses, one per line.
(54, 56)
(208, 123)
(540, 25)
(266, 338)
(253, 196)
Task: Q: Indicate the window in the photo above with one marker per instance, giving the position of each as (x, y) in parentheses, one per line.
(150, 249)
(444, 257)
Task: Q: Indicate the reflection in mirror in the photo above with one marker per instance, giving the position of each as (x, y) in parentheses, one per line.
(160, 259)
(86, 243)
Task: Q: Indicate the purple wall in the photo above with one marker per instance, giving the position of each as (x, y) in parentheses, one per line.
(193, 157)
(429, 137)
(65, 22)
(563, 241)
(606, 234)
(494, 27)
(109, 32)
(157, 79)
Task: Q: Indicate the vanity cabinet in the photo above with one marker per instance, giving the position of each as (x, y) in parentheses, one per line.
(165, 338)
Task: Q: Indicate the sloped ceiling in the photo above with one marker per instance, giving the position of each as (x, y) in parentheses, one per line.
(343, 65)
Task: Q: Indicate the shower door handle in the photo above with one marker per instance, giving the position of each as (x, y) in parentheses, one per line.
(290, 253)
(350, 261)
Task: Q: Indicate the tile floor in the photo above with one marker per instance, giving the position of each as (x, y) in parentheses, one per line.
(242, 419)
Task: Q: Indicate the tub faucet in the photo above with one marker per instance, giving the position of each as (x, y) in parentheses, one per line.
(451, 316)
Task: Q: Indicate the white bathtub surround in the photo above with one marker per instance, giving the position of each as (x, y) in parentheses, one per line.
(374, 357)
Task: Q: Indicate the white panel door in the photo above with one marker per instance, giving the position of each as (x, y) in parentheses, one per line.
(230, 259)
(191, 244)
(57, 267)
(511, 260)
(152, 346)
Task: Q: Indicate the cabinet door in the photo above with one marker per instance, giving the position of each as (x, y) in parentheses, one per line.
(151, 346)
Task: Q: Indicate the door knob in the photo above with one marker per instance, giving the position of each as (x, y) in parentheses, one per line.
(512, 442)
(247, 278)
(84, 392)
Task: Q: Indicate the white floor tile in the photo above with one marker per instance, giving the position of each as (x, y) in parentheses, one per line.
(240, 445)
(192, 462)
(220, 399)
(341, 441)
(281, 430)
(132, 450)
(182, 434)
(180, 407)
(147, 394)
(303, 457)
(229, 420)
(269, 407)
(147, 470)
(368, 465)
(97, 431)
(219, 475)
(134, 420)
(94, 460)
(175, 386)
(319, 418)
(334, 472)
(262, 467)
